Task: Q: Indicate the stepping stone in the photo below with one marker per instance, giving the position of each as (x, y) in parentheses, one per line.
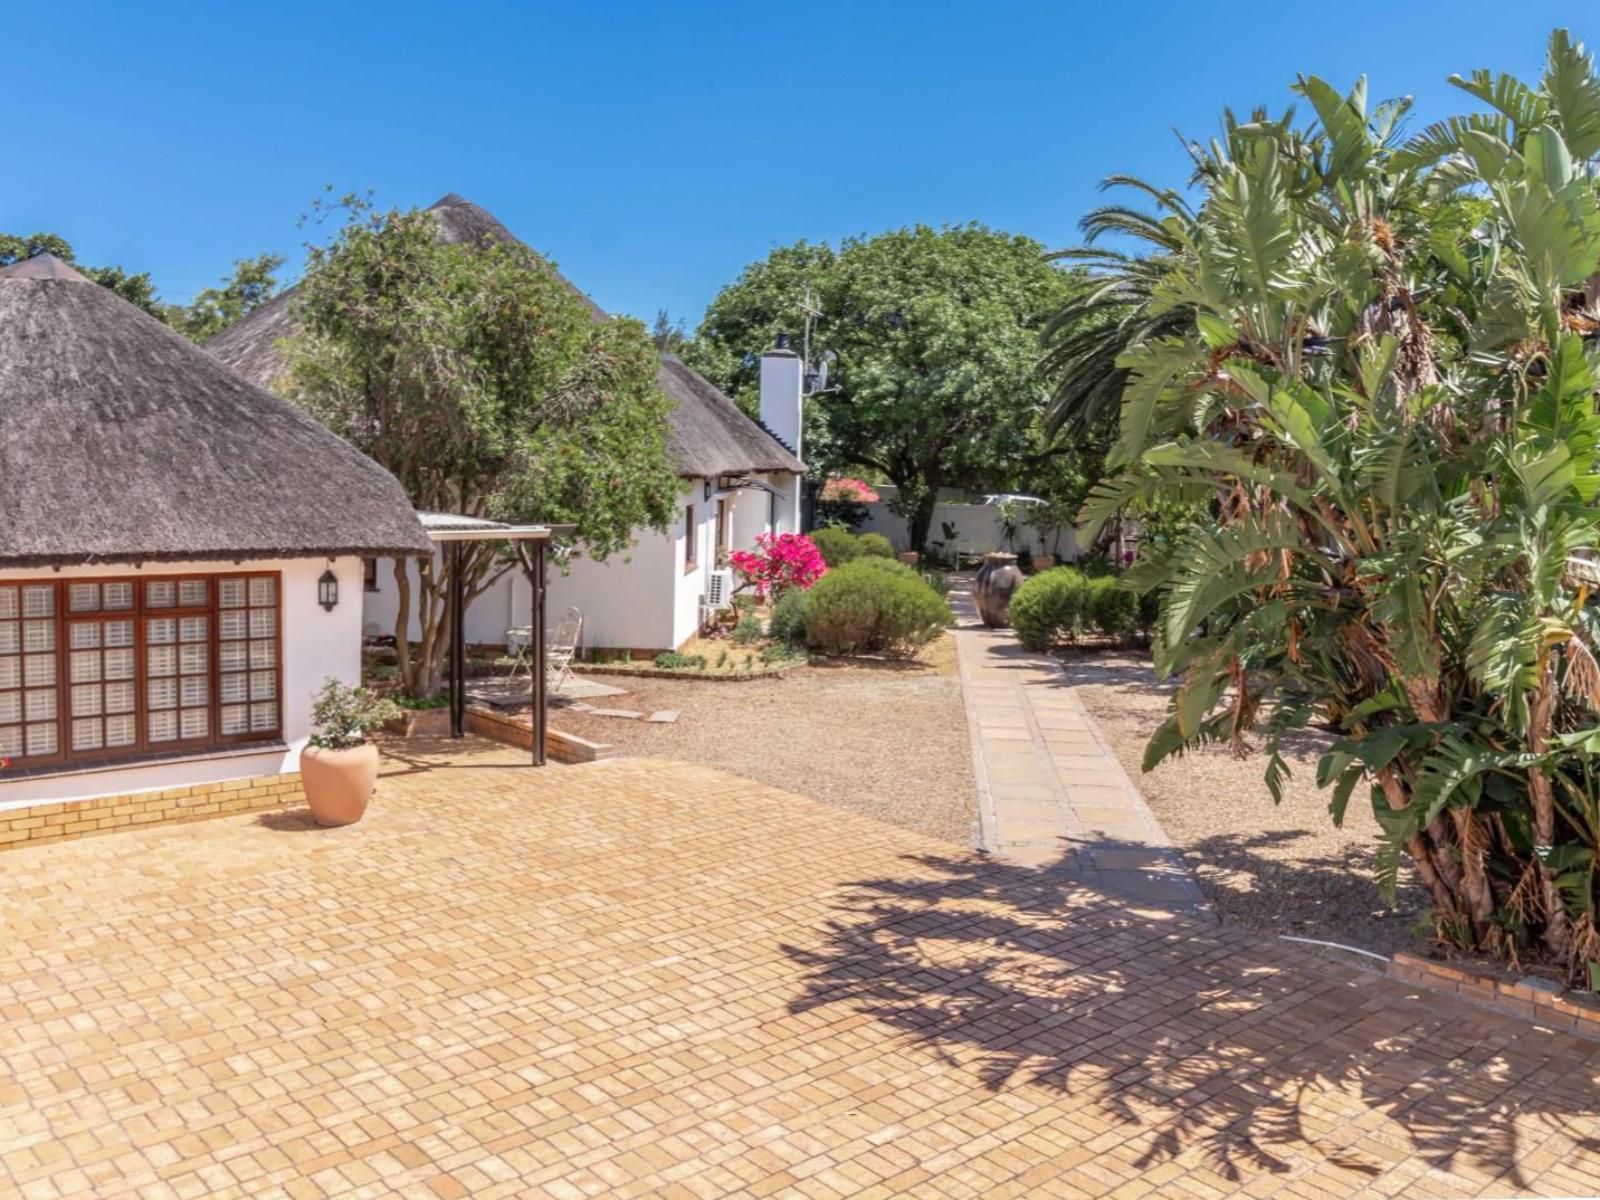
(625, 714)
(665, 717)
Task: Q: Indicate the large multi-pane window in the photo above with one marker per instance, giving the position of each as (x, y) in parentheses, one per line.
(106, 668)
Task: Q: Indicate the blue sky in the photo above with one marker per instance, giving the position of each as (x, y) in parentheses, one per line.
(654, 149)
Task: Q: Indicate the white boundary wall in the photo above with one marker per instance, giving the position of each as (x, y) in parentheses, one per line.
(977, 529)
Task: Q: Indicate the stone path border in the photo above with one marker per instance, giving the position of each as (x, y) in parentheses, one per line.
(1051, 793)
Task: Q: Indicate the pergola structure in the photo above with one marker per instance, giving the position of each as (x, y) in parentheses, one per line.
(450, 532)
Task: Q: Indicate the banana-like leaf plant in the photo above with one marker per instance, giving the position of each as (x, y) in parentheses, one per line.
(1392, 416)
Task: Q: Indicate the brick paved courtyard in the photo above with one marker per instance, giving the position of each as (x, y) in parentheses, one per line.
(648, 979)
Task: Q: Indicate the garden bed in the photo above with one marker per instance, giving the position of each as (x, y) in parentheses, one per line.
(1278, 869)
(644, 669)
(880, 736)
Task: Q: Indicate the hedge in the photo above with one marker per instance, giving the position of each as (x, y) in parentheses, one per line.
(837, 546)
(874, 605)
(1050, 607)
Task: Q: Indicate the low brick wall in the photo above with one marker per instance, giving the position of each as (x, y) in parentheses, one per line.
(1537, 999)
(558, 746)
(38, 824)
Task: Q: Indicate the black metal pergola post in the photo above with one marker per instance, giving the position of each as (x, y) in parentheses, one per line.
(458, 644)
(540, 703)
(451, 532)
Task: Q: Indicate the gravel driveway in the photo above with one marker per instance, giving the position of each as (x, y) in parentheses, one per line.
(886, 739)
(1282, 869)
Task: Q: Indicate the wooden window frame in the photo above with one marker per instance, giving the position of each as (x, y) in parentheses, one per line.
(139, 614)
(369, 574)
(691, 538)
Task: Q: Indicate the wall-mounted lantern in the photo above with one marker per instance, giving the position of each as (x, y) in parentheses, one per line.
(328, 590)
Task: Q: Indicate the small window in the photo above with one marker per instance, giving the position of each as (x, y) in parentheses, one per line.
(369, 574)
(689, 539)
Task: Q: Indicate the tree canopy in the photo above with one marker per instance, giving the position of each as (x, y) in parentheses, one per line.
(135, 288)
(936, 333)
(251, 285)
(480, 379)
(254, 281)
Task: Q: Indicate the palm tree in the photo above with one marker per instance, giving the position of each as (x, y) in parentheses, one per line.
(1119, 308)
(1112, 310)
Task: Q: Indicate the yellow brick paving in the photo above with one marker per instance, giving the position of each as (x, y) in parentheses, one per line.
(651, 979)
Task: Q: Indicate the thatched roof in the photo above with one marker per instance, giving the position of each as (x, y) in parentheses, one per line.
(121, 441)
(709, 435)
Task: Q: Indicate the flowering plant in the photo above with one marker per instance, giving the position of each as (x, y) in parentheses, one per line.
(779, 562)
(847, 491)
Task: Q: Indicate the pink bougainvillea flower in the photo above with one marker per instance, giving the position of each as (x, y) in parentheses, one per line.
(848, 491)
(779, 562)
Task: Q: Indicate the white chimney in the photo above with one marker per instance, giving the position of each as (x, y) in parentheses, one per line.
(782, 375)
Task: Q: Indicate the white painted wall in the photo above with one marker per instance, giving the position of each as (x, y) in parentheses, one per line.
(316, 644)
(782, 397)
(640, 598)
(488, 617)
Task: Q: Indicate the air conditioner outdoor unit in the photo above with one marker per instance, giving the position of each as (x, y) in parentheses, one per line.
(719, 588)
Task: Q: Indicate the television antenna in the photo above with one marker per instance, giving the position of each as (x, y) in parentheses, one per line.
(816, 380)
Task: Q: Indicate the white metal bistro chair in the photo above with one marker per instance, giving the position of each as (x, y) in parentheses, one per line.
(560, 647)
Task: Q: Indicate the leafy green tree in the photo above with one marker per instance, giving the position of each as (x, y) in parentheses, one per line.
(669, 335)
(136, 289)
(480, 380)
(254, 281)
(937, 335)
(1390, 422)
(746, 317)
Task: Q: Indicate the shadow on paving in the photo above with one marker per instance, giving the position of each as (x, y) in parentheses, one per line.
(1256, 1057)
(1313, 893)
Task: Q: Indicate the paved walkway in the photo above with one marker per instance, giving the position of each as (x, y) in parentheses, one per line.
(1051, 792)
(647, 979)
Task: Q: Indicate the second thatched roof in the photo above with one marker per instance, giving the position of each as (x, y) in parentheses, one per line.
(709, 435)
(121, 441)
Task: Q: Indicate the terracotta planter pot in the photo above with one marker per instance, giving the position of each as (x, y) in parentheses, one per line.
(998, 580)
(910, 557)
(1043, 562)
(339, 783)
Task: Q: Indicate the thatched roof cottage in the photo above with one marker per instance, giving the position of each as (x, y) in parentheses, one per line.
(164, 528)
(740, 478)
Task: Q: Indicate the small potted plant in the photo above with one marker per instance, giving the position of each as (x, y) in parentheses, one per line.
(339, 769)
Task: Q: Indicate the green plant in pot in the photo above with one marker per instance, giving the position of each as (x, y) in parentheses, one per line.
(339, 768)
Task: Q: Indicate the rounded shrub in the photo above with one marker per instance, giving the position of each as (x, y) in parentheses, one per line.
(1050, 607)
(874, 605)
(787, 625)
(748, 631)
(875, 545)
(837, 546)
(1113, 610)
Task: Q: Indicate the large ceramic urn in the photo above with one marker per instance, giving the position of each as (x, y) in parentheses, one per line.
(998, 580)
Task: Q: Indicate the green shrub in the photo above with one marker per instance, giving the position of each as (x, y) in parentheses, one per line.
(938, 581)
(1050, 607)
(671, 660)
(874, 605)
(875, 545)
(777, 652)
(837, 546)
(1149, 611)
(748, 631)
(1114, 610)
(787, 626)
